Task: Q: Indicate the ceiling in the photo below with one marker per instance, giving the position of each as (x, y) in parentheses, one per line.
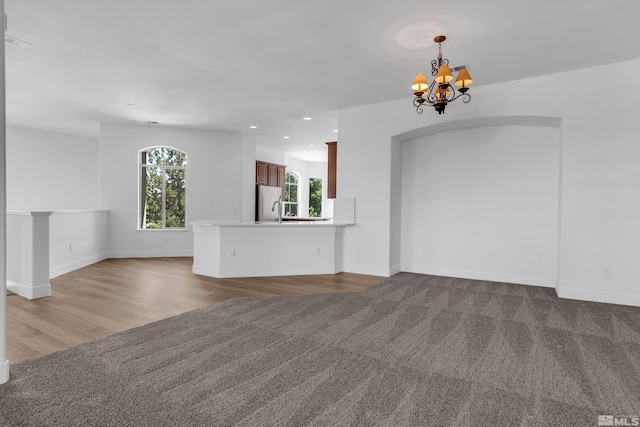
(227, 65)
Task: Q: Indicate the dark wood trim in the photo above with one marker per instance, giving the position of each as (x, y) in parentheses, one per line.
(332, 169)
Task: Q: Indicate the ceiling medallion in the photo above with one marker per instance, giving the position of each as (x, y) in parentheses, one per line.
(440, 93)
(418, 35)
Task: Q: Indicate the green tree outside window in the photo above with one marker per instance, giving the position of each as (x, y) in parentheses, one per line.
(315, 197)
(163, 188)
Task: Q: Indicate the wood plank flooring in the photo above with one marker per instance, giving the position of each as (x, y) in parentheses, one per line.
(119, 294)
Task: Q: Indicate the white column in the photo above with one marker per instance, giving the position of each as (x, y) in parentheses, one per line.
(27, 252)
(248, 177)
(4, 363)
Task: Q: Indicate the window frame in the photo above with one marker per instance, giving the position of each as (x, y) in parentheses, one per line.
(297, 184)
(322, 192)
(142, 192)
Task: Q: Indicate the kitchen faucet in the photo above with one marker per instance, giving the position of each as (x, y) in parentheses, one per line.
(273, 208)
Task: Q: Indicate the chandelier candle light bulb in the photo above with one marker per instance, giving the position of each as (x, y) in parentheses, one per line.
(444, 74)
(420, 83)
(440, 93)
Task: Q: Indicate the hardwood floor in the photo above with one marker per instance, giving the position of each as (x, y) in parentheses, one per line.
(119, 294)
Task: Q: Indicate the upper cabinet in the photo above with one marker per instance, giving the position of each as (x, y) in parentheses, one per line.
(270, 174)
(262, 173)
(331, 172)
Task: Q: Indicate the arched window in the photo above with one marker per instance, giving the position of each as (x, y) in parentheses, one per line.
(291, 193)
(162, 188)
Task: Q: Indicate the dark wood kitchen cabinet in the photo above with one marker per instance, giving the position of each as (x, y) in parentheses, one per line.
(270, 174)
(262, 173)
(332, 168)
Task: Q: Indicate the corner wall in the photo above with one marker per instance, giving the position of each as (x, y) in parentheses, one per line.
(49, 171)
(482, 203)
(600, 178)
(215, 167)
(77, 239)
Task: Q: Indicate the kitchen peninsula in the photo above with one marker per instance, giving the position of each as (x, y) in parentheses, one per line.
(248, 249)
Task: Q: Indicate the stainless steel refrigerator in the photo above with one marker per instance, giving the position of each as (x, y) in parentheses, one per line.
(267, 196)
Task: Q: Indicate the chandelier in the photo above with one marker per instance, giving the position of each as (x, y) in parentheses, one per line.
(439, 93)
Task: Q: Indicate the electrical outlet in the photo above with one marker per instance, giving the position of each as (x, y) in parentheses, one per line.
(166, 239)
(317, 251)
(235, 211)
(232, 253)
(607, 270)
(70, 247)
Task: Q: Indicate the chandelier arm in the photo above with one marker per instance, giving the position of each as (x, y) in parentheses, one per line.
(465, 97)
(451, 96)
(430, 96)
(431, 100)
(417, 102)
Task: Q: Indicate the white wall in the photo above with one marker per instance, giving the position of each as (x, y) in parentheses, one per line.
(57, 172)
(214, 184)
(396, 228)
(363, 173)
(599, 174)
(482, 203)
(308, 170)
(49, 171)
(77, 239)
(248, 177)
(269, 155)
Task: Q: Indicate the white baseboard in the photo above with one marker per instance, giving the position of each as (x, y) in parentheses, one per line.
(371, 270)
(546, 282)
(4, 372)
(262, 271)
(205, 270)
(598, 296)
(63, 269)
(150, 254)
(395, 269)
(29, 292)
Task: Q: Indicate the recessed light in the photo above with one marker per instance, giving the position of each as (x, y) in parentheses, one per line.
(306, 118)
(335, 130)
(286, 137)
(253, 127)
(312, 145)
(131, 105)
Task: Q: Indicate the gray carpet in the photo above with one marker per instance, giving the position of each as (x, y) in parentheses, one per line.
(413, 350)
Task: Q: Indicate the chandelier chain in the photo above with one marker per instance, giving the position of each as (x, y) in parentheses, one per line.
(437, 63)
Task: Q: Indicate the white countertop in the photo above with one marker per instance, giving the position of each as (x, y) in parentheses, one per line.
(287, 223)
(247, 249)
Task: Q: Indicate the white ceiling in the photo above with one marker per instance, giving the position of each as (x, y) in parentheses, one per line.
(226, 65)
